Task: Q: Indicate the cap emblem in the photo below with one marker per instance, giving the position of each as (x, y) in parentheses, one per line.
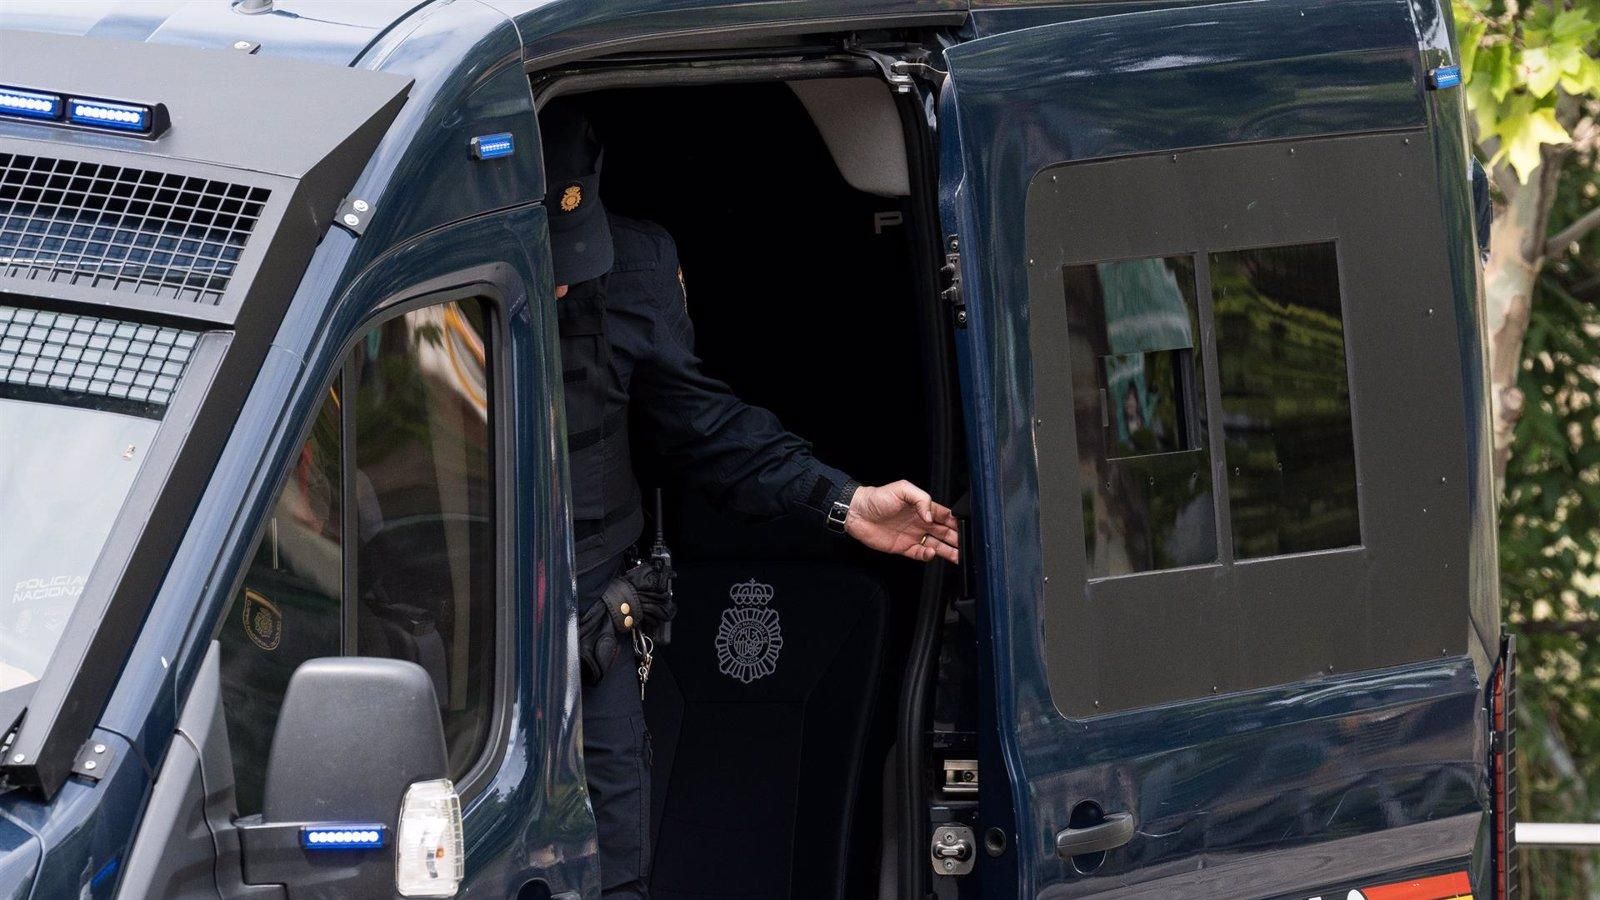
(571, 198)
(263, 622)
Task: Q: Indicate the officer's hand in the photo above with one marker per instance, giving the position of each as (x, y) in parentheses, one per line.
(901, 518)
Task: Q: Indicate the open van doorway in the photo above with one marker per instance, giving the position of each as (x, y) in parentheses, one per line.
(789, 714)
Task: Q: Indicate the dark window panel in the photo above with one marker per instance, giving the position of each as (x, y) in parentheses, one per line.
(425, 568)
(1285, 400)
(421, 538)
(288, 609)
(1139, 416)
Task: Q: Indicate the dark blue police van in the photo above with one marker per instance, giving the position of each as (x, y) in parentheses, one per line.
(1176, 301)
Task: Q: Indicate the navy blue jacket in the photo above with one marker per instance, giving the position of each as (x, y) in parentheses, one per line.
(738, 455)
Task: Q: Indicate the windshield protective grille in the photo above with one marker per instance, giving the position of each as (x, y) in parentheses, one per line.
(158, 234)
(83, 357)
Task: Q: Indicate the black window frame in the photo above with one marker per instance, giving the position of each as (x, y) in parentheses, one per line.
(489, 287)
(1132, 641)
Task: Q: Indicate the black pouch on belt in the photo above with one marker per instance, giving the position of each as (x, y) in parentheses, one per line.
(653, 606)
(630, 602)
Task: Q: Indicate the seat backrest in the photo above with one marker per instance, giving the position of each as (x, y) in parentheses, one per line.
(758, 712)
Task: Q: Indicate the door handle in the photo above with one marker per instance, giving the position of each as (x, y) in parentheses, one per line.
(1113, 832)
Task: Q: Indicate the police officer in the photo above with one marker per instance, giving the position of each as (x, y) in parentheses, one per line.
(627, 345)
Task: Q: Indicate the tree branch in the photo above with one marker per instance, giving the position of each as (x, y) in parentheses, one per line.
(1585, 224)
(1582, 628)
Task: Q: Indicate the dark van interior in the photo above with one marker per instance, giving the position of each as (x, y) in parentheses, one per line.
(816, 298)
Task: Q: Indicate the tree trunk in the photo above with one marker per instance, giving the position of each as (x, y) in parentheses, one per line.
(1516, 253)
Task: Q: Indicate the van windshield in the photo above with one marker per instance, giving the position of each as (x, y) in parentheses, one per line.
(65, 471)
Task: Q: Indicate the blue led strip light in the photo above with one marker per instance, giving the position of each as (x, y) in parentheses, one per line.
(493, 146)
(29, 104)
(1444, 77)
(104, 114)
(344, 837)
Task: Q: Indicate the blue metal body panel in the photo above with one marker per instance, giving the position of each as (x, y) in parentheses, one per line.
(557, 30)
(1237, 795)
(84, 831)
(1251, 785)
(19, 857)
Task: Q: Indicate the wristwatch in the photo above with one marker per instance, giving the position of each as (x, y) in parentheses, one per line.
(839, 509)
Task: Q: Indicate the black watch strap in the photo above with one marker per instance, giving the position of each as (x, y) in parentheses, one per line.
(839, 509)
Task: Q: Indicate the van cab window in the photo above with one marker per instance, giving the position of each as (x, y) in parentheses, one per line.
(381, 541)
(81, 398)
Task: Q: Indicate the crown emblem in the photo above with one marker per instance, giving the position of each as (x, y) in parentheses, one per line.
(571, 198)
(749, 637)
(750, 593)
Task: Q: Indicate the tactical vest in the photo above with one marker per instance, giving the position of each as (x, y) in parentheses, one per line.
(606, 513)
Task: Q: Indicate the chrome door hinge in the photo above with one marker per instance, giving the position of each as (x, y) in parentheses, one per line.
(950, 281)
(894, 70)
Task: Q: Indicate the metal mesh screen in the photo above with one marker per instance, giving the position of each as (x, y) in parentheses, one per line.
(90, 356)
(154, 233)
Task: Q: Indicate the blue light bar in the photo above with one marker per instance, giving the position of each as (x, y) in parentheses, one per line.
(493, 146)
(104, 114)
(343, 837)
(1444, 77)
(29, 104)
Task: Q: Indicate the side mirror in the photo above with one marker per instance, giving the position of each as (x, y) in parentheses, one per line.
(357, 801)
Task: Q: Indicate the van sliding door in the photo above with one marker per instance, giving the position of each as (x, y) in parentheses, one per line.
(1226, 450)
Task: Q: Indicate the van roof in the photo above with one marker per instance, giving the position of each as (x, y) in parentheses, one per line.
(340, 32)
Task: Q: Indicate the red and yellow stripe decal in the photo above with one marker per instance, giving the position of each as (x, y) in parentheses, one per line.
(1454, 886)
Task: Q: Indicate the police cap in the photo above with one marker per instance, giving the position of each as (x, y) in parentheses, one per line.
(580, 235)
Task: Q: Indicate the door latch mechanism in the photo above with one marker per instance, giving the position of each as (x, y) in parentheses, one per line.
(953, 849)
(961, 776)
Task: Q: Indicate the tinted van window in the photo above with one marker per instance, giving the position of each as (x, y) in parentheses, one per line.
(382, 540)
(1139, 415)
(289, 607)
(425, 575)
(1285, 400)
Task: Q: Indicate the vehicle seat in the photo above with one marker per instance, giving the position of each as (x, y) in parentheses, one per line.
(758, 747)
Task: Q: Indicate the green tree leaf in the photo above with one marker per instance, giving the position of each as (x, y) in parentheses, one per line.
(1470, 38)
(1539, 71)
(1523, 130)
(1574, 27)
(1584, 78)
(1499, 71)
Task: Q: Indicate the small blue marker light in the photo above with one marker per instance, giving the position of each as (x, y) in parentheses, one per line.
(103, 114)
(343, 837)
(29, 104)
(493, 146)
(1444, 77)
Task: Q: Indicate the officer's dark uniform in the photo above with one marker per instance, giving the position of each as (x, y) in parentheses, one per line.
(627, 340)
(627, 346)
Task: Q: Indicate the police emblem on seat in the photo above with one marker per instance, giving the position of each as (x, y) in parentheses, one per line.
(749, 638)
(263, 622)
